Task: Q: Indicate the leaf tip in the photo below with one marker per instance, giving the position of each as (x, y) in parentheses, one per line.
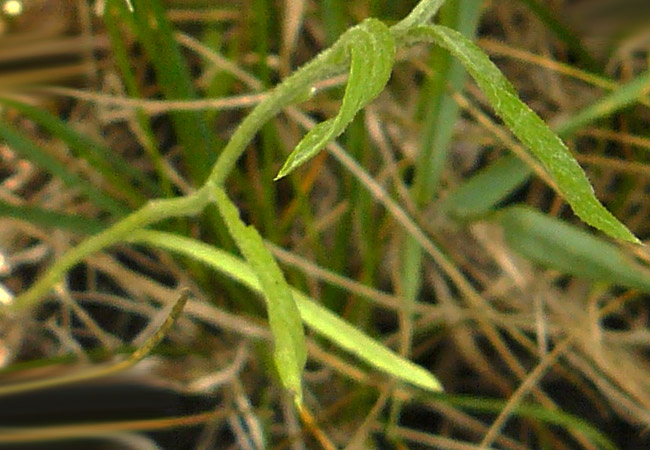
(281, 174)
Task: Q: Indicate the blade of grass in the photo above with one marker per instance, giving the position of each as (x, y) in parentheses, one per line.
(315, 316)
(50, 219)
(111, 165)
(175, 81)
(621, 97)
(114, 14)
(366, 225)
(441, 111)
(440, 117)
(534, 412)
(480, 193)
(42, 158)
(334, 19)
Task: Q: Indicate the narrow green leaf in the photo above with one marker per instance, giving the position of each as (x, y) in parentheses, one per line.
(372, 51)
(440, 111)
(110, 164)
(290, 353)
(537, 413)
(501, 178)
(623, 96)
(116, 20)
(39, 156)
(50, 219)
(316, 316)
(564, 247)
(175, 80)
(479, 194)
(531, 130)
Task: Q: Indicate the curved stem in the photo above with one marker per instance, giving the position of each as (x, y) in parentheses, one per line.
(153, 211)
(332, 61)
(420, 15)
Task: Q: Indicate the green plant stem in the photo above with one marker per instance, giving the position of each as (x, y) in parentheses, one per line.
(153, 211)
(420, 15)
(330, 62)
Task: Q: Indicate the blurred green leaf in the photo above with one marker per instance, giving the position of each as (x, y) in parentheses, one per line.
(116, 18)
(115, 169)
(480, 193)
(175, 80)
(42, 158)
(624, 95)
(531, 130)
(372, 51)
(50, 219)
(564, 247)
(537, 413)
(290, 353)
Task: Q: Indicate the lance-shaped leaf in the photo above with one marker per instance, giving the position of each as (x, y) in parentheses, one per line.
(316, 316)
(290, 352)
(564, 247)
(372, 51)
(531, 130)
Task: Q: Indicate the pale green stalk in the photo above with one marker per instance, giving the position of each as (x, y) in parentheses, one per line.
(331, 62)
(153, 211)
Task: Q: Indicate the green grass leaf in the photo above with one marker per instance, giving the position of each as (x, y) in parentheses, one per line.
(625, 95)
(539, 414)
(175, 81)
(372, 51)
(480, 193)
(115, 169)
(42, 158)
(50, 219)
(564, 247)
(315, 316)
(290, 353)
(531, 130)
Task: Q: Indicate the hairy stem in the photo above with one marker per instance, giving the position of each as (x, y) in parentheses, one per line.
(153, 211)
